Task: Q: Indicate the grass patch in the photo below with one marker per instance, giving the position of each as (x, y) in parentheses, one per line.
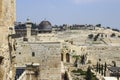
(80, 71)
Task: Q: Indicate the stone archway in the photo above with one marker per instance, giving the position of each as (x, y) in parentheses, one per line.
(67, 57)
(61, 56)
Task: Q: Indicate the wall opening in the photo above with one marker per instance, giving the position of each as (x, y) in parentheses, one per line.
(67, 57)
(61, 56)
(1, 59)
(33, 54)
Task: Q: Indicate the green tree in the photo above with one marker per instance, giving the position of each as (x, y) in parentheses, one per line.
(97, 67)
(89, 74)
(105, 66)
(77, 58)
(113, 35)
(96, 37)
(90, 36)
(102, 69)
(98, 25)
(105, 69)
(65, 76)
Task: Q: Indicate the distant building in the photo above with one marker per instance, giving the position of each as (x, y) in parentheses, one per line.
(82, 27)
(43, 27)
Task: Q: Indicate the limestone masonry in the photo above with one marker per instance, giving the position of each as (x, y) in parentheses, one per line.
(7, 19)
(30, 51)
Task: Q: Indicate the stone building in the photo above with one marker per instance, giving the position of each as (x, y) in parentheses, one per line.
(42, 27)
(33, 52)
(82, 27)
(39, 56)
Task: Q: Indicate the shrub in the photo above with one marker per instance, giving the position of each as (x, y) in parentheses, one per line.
(113, 35)
(90, 36)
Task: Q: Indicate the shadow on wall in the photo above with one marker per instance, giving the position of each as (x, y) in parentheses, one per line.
(1, 72)
(1, 59)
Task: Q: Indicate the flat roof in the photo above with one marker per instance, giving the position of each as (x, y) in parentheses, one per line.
(114, 69)
(109, 78)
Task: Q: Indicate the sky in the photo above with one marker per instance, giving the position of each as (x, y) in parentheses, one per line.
(105, 12)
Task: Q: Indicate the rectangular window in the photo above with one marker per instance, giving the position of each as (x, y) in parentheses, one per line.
(19, 53)
(33, 54)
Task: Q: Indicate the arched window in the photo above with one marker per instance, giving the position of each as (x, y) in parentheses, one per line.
(61, 56)
(67, 57)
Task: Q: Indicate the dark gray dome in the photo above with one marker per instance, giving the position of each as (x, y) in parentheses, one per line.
(45, 26)
(45, 23)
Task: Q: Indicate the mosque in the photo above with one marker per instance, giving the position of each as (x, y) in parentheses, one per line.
(43, 27)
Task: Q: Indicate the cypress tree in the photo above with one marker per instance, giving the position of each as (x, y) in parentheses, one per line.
(102, 69)
(89, 74)
(105, 69)
(105, 66)
(65, 76)
(97, 67)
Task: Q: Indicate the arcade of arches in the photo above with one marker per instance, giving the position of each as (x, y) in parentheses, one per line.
(65, 57)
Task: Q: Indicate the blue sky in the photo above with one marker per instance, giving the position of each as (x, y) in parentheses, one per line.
(105, 12)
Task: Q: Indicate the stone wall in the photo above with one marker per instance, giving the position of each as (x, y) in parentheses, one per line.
(48, 55)
(105, 53)
(5, 63)
(7, 11)
(0, 8)
(7, 18)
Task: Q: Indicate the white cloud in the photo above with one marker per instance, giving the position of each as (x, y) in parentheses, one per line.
(82, 1)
